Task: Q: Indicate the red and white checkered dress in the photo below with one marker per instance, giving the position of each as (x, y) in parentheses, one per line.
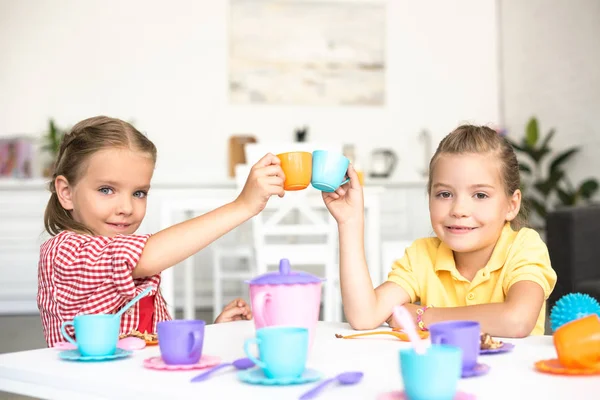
(83, 274)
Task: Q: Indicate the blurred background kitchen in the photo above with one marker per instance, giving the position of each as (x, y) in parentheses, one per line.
(384, 80)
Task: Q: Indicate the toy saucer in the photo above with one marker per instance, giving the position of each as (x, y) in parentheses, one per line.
(158, 363)
(127, 343)
(478, 370)
(256, 376)
(400, 395)
(505, 348)
(553, 366)
(75, 355)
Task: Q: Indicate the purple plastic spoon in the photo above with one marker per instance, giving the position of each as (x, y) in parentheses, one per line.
(242, 363)
(345, 378)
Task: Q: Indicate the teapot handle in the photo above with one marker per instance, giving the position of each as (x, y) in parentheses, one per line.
(260, 303)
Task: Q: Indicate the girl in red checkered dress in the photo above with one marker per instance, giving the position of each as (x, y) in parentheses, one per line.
(94, 263)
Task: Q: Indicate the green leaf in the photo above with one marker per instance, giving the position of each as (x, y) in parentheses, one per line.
(524, 168)
(532, 132)
(567, 199)
(547, 139)
(538, 154)
(538, 207)
(516, 146)
(545, 187)
(562, 158)
(588, 188)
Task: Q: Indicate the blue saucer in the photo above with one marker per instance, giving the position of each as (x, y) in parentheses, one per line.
(74, 355)
(256, 376)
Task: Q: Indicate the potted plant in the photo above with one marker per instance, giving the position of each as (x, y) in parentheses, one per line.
(545, 184)
(51, 144)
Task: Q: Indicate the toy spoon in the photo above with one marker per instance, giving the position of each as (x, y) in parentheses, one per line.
(400, 335)
(242, 363)
(403, 317)
(132, 302)
(345, 378)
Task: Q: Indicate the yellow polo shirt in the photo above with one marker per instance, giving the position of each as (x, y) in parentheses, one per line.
(427, 272)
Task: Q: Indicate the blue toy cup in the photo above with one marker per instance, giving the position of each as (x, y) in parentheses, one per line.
(433, 375)
(96, 334)
(283, 351)
(328, 170)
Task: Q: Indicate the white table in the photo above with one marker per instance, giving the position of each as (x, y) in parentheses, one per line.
(40, 373)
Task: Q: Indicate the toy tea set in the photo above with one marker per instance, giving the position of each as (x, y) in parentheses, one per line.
(575, 321)
(283, 337)
(324, 170)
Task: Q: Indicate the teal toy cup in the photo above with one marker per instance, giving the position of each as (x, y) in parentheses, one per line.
(328, 170)
(433, 375)
(283, 351)
(96, 334)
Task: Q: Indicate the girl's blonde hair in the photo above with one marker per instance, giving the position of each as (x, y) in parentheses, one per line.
(484, 140)
(86, 138)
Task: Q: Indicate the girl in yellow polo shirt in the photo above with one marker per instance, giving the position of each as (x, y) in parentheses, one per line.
(480, 266)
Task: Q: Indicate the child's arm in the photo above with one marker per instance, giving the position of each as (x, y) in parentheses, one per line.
(174, 244)
(365, 307)
(515, 317)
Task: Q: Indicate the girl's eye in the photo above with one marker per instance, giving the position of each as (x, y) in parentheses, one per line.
(105, 190)
(140, 194)
(444, 195)
(481, 196)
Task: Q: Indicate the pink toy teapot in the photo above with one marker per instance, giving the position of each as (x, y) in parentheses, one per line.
(290, 298)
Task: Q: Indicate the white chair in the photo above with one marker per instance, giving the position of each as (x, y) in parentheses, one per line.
(220, 254)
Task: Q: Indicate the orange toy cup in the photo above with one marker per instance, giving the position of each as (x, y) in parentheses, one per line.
(577, 343)
(297, 167)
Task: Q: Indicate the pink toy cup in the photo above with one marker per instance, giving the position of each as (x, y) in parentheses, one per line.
(286, 298)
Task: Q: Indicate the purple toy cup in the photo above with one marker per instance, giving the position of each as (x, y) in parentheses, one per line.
(463, 334)
(181, 341)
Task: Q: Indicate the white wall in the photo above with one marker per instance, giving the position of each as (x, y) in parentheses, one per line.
(165, 67)
(551, 69)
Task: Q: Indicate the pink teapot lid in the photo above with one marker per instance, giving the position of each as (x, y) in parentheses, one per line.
(285, 276)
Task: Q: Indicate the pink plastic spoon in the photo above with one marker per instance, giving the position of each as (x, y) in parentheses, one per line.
(403, 317)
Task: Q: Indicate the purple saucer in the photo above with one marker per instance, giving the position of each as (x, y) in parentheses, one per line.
(478, 370)
(506, 347)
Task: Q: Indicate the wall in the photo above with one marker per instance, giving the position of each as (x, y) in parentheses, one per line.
(551, 69)
(165, 68)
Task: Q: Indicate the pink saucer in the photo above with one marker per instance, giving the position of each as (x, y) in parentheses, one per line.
(399, 395)
(158, 363)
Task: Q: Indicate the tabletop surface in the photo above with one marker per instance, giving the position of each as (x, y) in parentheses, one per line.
(40, 373)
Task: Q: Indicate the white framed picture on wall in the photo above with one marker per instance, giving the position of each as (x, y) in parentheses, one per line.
(307, 52)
